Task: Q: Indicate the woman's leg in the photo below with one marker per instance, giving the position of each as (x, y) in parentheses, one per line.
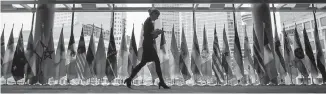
(137, 69)
(158, 69)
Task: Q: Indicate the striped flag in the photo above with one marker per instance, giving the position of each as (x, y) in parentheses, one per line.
(319, 51)
(206, 66)
(195, 57)
(289, 56)
(111, 62)
(81, 58)
(247, 59)
(309, 52)
(237, 51)
(49, 56)
(175, 53)
(268, 55)
(132, 58)
(2, 46)
(123, 57)
(100, 58)
(184, 57)
(299, 54)
(90, 56)
(31, 67)
(226, 59)
(258, 60)
(72, 64)
(19, 59)
(8, 57)
(217, 61)
(60, 58)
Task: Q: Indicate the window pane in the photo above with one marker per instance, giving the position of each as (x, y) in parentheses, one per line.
(323, 21)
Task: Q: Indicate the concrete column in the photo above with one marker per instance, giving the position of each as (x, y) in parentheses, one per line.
(43, 25)
(261, 14)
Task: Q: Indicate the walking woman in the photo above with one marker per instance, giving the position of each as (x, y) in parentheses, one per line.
(149, 52)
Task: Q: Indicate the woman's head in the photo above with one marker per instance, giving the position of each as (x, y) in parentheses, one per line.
(153, 13)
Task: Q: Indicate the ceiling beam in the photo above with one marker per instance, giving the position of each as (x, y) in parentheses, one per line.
(88, 6)
(239, 6)
(67, 6)
(157, 1)
(162, 9)
(280, 6)
(196, 6)
(299, 6)
(26, 6)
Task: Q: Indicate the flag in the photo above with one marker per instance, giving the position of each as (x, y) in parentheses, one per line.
(216, 58)
(175, 53)
(237, 51)
(31, 66)
(49, 56)
(247, 59)
(60, 58)
(195, 57)
(279, 60)
(2, 46)
(90, 56)
(164, 58)
(132, 58)
(289, 56)
(299, 54)
(310, 54)
(184, 57)
(100, 58)
(19, 59)
(268, 55)
(258, 60)
(111, 62)
(8, 57)
(226, 56)
(319, 51)
(206, 66)
(140, 53)
(123, 57)
(82, 63)
(71, 52)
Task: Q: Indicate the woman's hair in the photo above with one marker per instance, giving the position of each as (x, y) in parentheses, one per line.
(153, 10)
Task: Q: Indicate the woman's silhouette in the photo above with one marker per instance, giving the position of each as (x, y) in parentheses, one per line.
(149, 53)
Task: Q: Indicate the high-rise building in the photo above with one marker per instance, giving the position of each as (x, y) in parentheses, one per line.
(86, 20)
(166, 21)
(209, 19)
(305, 19)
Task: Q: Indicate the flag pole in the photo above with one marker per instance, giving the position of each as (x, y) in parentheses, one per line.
(194, 28)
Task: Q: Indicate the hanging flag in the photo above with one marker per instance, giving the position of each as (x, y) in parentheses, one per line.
(82, 63)
(184, 56)
(299, 54)
(19, 59)
(216, 58)
(247, 59)
(111, 62)
(48, 62)
(279, 60)
(31, 66)
(164, 58)
(123, 57)
(206, 66)
(71, 52)
(132, 58)
(8, 57)
(195, 57)
(289, 56)
(2, 46)
(226, 56)
(319, 51)
(237, 51)
(258, 60)
(60, 58)
(90, 56)
(268, 55)
(175, 53)
(100, 58)
(310, 54)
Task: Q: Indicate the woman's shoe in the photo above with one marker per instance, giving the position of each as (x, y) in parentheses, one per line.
(128, 82)
(163, 85)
